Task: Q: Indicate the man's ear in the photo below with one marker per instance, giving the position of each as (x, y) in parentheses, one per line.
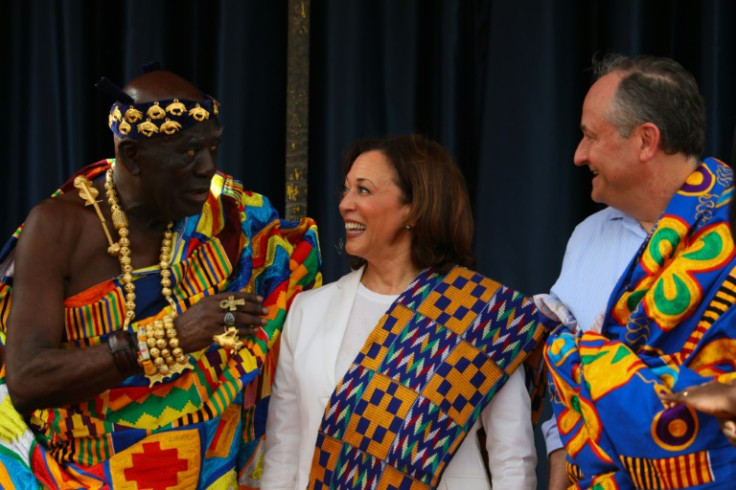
(650, 138)
(129, 154)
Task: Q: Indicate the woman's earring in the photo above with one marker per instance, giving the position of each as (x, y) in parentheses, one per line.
(408, 227)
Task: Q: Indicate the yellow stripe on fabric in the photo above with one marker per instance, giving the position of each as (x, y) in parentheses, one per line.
(178, 248)
(675, 472)
(209, 267)
(5, 302)
(91, 321)
(205, 224)
(225, 482)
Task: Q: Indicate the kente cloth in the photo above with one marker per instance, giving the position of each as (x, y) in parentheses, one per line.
(201, 428)
(436, 358)
(669, 324)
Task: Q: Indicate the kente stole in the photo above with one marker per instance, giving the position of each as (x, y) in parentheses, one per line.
(435, 359)
(669, 324)
(201, 428)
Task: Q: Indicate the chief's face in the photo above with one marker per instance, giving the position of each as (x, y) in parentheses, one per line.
(611, 157)
(373, 210)
(176, 171)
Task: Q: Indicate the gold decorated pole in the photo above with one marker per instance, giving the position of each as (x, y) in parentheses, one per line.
(297, 109)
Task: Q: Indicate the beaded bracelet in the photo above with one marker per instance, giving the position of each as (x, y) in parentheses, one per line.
(159, 353)
(124, 350)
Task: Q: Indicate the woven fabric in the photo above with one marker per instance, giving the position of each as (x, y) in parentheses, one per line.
(436, 358)
(201, 428)
(669, 325)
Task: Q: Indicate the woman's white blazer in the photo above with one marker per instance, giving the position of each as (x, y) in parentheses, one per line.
(306, 377)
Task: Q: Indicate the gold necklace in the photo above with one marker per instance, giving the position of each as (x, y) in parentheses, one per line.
(158, 346)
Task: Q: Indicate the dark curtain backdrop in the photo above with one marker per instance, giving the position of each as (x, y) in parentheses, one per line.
(500, 83)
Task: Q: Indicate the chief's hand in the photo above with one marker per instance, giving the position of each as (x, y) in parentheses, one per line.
(212, 315)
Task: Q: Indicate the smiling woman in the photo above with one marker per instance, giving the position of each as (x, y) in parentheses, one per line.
(376, 214)
(358, 346)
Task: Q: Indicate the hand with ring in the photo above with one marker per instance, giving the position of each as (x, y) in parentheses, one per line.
(229, 319)
(228, 316)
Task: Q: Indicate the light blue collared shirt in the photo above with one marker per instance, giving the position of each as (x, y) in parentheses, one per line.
(597, 253)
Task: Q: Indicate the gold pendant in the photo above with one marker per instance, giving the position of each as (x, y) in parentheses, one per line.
(173, 369)
(229, 340)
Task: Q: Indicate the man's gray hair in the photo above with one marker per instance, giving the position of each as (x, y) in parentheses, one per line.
(659, 91)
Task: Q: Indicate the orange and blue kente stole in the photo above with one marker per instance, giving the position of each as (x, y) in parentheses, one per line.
(670, 323)
(435, 359)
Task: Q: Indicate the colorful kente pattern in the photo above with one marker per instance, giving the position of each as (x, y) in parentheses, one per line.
(202, 428)
(669, 325)
(436, 358)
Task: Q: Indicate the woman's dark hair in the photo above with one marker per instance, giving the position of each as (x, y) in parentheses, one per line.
(431, 182)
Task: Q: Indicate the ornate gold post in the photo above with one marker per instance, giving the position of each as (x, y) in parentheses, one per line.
(297, 109)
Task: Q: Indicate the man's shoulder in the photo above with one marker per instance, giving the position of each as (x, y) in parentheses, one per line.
(602, 217)
(62, 210)
(226, 187)
(607, 219)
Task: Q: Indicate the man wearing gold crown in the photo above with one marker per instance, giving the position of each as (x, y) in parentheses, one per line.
(139, 304)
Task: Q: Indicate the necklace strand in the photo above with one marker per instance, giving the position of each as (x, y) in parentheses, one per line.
(159, 352)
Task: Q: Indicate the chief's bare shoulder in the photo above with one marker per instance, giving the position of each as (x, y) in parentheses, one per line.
(61, 236)
(56, 221)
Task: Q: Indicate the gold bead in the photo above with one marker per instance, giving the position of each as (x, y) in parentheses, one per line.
(182, 359)
(163, 368)
(129, 287)
(130, 305)
(158, 332)
(165, 353)
(119, 220)
(173, 343)
(161, 343)
(149, 368)
(171, 333)
(166, 291)
(151, 342)
(130, 315)
(165, 282)
(159, 361)
(163, 264)
(177, 352)
(124, 241)
(125, 260)
(127, 277)
(130, 296)
(154, 351)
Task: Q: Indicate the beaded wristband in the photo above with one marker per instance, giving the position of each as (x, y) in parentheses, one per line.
(159, 353)
(124, 352)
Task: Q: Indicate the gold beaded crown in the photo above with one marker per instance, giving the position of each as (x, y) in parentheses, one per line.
(160, 118)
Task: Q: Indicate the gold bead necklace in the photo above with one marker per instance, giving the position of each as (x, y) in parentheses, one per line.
(159, 353)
